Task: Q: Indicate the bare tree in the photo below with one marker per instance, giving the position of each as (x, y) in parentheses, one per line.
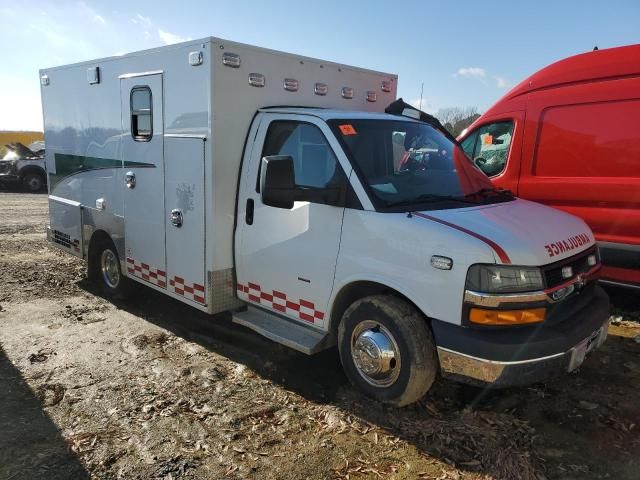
(456, 119)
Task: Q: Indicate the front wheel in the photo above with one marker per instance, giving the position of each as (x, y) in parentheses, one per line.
(387, 349)
(33, 182)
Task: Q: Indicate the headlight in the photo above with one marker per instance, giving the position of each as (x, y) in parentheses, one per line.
(504, 279)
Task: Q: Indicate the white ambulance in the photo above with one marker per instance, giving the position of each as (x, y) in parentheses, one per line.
(274, 186)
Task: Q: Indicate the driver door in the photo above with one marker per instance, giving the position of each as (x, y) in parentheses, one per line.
(286, 258)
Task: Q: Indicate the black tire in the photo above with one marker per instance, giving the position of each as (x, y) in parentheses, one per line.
(33, 182)
(106, 272)
(417, 363)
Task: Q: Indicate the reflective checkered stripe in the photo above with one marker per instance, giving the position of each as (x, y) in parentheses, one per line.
(146, 273)
(192, 291)
(303, 309)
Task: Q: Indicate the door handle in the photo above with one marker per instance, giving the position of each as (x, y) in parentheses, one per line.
(248, 214)
(130, 179)
(176, 217)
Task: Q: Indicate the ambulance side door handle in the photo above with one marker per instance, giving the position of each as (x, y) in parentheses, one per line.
(248, 214)
(130, 179)
(176, 217)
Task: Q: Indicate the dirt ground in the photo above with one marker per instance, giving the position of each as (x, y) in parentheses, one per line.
(152, 389)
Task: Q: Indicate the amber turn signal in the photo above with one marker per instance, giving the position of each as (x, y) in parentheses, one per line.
(506, 317)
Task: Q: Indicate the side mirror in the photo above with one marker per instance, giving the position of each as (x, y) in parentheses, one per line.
(277, 182)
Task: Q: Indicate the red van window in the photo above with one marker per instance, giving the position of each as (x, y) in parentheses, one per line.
(590, 140)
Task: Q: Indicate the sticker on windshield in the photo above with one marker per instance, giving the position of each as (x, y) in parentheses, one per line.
(347, 129)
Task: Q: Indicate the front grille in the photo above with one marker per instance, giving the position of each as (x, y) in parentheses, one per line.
(553, 273)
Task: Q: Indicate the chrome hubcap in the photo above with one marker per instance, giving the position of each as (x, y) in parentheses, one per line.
(375, 353)
(109, 267)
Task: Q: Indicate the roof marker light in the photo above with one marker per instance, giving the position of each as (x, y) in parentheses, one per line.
(347, 92)
(372, 96)
(385, 86)
(256, 80)
(44, 80)
(320, 89)
(231, 60)
(93, 75)
(290, 84)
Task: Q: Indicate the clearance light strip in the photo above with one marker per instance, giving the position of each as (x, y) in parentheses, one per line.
(502, 255)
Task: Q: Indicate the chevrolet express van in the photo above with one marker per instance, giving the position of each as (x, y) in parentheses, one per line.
(569, 136)
(300, 196)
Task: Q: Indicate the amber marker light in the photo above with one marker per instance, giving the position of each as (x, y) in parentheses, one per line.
(506, 317)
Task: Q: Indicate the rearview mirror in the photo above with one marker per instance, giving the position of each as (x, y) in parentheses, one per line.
(277, 182)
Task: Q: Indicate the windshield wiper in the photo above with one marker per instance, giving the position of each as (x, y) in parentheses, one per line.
(427, 198)
(491, 192)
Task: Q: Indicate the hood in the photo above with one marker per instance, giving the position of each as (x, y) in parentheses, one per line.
(520, 232)
(16, 151)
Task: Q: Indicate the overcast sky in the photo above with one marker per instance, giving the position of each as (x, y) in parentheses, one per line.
(469, 54)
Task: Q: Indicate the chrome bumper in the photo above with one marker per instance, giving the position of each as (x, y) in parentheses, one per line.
(475, 370)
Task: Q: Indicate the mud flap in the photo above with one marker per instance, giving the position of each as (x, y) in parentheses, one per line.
(65, 229)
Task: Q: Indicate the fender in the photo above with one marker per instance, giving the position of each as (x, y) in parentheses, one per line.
(403, 291)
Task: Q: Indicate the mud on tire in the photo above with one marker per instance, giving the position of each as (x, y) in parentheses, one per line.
(417, 362)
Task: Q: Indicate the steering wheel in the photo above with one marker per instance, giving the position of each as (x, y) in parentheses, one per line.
(480, 161)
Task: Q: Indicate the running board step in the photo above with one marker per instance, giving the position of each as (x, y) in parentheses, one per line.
(282, 330)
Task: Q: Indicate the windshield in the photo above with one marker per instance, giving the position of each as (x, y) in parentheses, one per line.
(412, 165)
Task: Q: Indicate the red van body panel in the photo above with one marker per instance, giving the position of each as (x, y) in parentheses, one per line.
(575, 145)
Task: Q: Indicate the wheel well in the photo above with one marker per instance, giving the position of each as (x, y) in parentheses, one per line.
(33, 169)
(357, 290)
(98, 238)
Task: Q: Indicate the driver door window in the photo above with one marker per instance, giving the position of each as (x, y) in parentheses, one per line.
(314, 162)
(489, 145)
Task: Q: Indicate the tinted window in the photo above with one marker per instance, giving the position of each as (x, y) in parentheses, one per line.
(314, 163)
(488, 146)
(592, 140)
(141, 114)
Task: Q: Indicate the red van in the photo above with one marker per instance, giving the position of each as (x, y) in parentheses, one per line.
(569, 136)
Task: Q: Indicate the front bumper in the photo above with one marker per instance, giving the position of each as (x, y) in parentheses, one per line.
(524, 355)
(9, 178)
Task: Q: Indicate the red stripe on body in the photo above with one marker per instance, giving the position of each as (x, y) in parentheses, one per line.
(502, 255)
(293, 306)
(308, 318)
(307, 304)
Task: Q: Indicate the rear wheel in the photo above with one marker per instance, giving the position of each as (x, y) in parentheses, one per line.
(387, 349)
(108, 273)
(33, 182)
